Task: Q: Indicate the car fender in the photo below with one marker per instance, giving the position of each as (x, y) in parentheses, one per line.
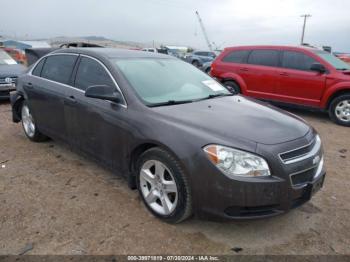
(235, 77)
(331, 91)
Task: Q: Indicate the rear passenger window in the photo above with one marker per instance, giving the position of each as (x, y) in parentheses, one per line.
(90, 73)
(263, 57)
(236, 57)
(297, 60)
(58, 68)
(39, 67)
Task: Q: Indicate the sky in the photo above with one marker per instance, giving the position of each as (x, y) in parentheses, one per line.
(228, 22)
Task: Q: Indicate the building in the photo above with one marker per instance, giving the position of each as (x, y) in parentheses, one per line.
(22, 45)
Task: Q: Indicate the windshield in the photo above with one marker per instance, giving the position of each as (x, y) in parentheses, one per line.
(159, 80)
(6, 59)
(333, 60)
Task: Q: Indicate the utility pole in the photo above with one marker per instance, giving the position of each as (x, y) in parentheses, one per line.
(306, 16)
(204, 32)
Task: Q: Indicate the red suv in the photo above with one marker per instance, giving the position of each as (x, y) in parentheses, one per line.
(301, 76)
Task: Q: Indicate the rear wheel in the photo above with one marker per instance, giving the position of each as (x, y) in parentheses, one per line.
(163, 186)
(195, 63)
(233, 87)
(339, 110)
(29, 127)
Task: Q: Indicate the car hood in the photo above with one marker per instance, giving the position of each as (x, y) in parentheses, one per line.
(236, 117)
(11, 70)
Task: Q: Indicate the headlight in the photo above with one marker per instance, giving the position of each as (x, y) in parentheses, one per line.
(233, 162)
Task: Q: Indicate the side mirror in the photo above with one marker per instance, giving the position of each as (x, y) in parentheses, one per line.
(318, 68)
(103, 92)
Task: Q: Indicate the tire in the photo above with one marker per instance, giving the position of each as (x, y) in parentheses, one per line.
(207, 70)
(232, 86)
(195, 63)
(163, 186)
(28, 124)
(339, 110)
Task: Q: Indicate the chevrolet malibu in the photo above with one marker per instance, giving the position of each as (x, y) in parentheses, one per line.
(184, 141)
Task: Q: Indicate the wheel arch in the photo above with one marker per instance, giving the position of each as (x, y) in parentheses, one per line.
(137, 151)
(17, 102)
(235, 78)
(334, 94)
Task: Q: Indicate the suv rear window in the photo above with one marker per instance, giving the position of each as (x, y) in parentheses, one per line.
(297, 60)
(263, 57)
(236, 56)
(59, 68)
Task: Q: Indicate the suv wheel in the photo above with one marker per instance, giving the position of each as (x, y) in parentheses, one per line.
(339, 110)
(163, 186)
(233, 87)
(29, 126)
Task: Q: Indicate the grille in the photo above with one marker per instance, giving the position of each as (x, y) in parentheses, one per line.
(3, 80)
(301, 153)
(303, 177)
(236, 211)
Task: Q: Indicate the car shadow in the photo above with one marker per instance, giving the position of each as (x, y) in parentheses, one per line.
(307, 114)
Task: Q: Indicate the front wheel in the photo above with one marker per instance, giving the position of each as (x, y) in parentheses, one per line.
(163, 186)
(339, 110)
(29, 127)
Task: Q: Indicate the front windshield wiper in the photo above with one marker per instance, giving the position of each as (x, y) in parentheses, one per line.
(171, 102)
(177, 102)
(215, 95)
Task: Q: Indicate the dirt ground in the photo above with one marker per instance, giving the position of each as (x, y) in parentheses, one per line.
(53, 201)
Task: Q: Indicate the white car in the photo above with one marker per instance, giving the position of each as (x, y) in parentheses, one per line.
(153, 50)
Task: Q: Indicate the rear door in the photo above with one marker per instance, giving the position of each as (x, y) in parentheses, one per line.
(260, 72)
(46, 90)
(296, 82)
(95, 126)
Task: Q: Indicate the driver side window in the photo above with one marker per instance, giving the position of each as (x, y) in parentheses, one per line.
(90, 73)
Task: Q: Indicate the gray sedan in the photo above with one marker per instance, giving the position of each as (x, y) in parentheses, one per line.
(181, 138)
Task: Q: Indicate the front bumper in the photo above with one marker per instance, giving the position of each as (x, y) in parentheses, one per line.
(218, 197)
(5, 90)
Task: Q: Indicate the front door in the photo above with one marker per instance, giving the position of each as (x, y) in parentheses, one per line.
(95, 126)
(297, 83)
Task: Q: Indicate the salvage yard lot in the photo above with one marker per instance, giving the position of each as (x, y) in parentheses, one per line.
(53, 201)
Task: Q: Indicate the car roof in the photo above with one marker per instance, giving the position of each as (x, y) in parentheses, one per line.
(111, 52)
(310, 48)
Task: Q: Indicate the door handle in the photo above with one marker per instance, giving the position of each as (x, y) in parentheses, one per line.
(72, 99)
(29, 85)
(284, 74)
(243, 69)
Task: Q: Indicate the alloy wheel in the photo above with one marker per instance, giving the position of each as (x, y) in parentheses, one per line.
(158, 187)
(28, 121)
(342, 110)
